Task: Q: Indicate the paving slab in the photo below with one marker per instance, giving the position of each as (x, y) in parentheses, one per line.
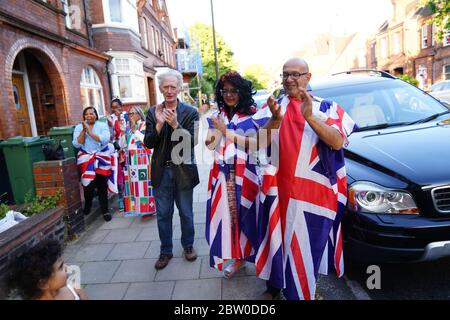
(98, 272)
(127, 251)
(110, 291)
(179, 269)
(203, 289)
(142, 270)
(148, 234)
(150, 291)
(121, 235)
(94, 252)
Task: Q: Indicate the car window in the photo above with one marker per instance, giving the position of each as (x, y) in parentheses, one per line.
(382, 102)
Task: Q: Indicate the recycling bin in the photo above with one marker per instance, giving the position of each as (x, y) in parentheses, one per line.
(20, 154)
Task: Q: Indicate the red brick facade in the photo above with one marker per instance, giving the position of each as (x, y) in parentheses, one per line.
(37, 28)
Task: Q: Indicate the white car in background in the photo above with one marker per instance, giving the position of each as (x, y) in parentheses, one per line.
(441, 90)
(261, 97)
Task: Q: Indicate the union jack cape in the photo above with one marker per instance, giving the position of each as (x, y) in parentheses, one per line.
(302, 200)
(219, 234)
(103, 162)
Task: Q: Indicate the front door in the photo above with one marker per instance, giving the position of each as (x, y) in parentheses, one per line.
(20, 102)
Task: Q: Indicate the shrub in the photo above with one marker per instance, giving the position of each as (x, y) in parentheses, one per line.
(409, 79)
(37, 204)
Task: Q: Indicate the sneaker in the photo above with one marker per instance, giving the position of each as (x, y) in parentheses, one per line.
(163, 260)
(190, 254)
(107, 216)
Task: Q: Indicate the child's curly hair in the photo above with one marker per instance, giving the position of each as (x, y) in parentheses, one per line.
(34, 266)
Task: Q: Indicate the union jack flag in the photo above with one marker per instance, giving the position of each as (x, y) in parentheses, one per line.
(303, 196)
(103, 162)
(219, 228)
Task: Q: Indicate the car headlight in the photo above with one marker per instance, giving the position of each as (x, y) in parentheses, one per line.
(370, 197)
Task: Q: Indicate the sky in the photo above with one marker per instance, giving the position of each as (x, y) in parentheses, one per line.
(269, 31)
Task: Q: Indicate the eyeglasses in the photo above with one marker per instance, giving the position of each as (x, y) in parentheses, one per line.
(131, 113)
(293, 75)
(231, 92)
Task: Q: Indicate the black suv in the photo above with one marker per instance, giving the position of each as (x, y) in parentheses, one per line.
(398, 166)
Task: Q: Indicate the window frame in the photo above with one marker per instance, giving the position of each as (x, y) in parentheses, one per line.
(91, 81)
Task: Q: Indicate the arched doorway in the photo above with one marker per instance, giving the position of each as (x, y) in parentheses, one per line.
(37, 92)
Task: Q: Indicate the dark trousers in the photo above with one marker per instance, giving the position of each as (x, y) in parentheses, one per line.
(101, 182)
(272, 290)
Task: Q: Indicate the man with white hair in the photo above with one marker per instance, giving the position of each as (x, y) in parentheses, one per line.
(171, 131)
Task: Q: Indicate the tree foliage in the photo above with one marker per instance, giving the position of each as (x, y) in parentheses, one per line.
(441, 13)
(258, 75)
(202, 35)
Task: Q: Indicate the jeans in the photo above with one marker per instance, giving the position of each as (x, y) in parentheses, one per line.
(165, 195)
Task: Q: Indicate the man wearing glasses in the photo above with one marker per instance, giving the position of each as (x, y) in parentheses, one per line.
(303, 192)
(171, 130)
(310, 180)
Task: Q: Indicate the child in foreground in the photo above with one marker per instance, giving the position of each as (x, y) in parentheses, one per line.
(40, 274)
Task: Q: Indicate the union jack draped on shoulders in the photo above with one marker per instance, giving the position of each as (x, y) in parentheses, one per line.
(103, 162)
(219, 231)
(298, 226)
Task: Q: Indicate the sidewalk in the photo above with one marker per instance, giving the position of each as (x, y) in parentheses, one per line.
(117, 259)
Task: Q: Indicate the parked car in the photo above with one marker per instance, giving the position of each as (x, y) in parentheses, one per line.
(441, 90)
(260, 97)
(398, 166)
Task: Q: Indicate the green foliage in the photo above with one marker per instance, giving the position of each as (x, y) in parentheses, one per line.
(202, 35)
(206, 87)
(37, 204)
(441, 13)
(409, 79)
(3, 210)
(258, 75)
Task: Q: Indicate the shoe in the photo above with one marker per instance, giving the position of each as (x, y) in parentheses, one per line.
(107, 216)
(190, 254)
(232, 268)
(163, 260)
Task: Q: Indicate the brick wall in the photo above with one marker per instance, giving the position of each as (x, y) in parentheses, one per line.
(25, 235)
(63, 66)
(52, 177)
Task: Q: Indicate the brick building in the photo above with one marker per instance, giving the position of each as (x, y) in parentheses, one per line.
(44, 55)
(59, 56)
(139, 38)
(406, 44)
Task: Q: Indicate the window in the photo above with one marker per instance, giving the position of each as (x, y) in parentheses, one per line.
(447, 72)
(433, 37)
(396, 43)
(91, 91)
(446, 39)
(383, 48)
(154, 40)
(65, 4)
(125, 86)
(145, 33)
(424, 36)
(115, 10)
(122, 65)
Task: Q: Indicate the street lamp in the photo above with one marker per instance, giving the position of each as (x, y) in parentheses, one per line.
(214, 39)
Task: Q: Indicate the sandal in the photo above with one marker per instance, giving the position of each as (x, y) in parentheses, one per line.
(232, 268)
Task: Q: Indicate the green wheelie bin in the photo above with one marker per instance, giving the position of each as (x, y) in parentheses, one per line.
(20, 154)
(65, 136)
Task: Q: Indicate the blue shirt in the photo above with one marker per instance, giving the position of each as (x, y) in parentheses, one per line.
(90, 144)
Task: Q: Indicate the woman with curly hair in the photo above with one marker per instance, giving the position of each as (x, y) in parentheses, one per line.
(40, 274)
(231, 214)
